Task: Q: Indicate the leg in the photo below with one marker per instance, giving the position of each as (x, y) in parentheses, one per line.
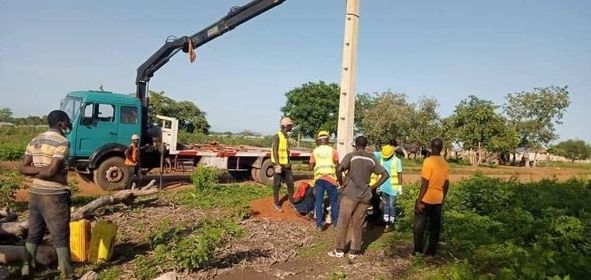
(393, 208)
(34, 236)
(276, 186)
(56, 213)
(319, 204)
(333, 198)
(130, 172)
(419, 230)
(358, 219)
(288, 177)
(434, 214)
(387, 201)
(346, 211)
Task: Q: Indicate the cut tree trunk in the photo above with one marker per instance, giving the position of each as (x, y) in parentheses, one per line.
(14, 229)
(15, 254)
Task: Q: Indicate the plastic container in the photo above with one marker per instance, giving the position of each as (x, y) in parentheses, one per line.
(102, 241)
(79, 240)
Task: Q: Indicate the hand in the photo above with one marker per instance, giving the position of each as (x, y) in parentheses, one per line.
(288, 166)
(378, 190)
(419, 207)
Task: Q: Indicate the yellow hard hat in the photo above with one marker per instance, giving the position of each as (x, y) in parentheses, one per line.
(387, 151)
(323, 134)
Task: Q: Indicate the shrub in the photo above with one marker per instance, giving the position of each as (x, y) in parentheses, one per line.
(204, 178)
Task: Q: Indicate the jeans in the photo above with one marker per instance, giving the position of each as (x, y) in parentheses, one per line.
(333, 197)
(432, 213)
(352, 213)
(389, 202)
(52, 212)
(286, 176)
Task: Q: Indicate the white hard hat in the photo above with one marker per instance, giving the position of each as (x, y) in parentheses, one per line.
(135, 137)
(285, 121)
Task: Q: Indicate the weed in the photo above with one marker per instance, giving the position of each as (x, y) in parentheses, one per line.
(338, 276)
(205, 178)
(112, 273)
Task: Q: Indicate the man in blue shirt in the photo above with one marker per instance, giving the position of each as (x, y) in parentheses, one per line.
(392, 187)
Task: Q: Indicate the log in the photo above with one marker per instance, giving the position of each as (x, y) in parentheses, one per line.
(15, 254)
(9, 217)
(14, 229)
(124, 196)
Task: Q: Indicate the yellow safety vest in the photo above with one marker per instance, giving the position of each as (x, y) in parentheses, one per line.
(282, 150)
(324, 165)
(393, 175)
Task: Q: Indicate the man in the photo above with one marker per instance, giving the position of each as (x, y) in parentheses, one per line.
(131, 159)
(359, 166)
(392, 187)
(49, 195)
(429, 204)
(324, 161)
(282, 165)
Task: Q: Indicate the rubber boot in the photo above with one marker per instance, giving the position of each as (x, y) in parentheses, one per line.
(29, 262)
(65, 263)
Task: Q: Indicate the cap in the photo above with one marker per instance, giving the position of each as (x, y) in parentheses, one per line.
(323, 134)
(135, 137)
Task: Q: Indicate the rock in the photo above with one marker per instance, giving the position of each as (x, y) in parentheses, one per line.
(168, 276)
(91, 275)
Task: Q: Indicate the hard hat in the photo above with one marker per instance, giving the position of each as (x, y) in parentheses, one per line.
(323, 134)
(135, 137)
(387, 151)
(285, 121)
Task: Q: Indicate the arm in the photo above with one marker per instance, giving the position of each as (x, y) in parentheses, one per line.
(51, 170)
(400, 178)
(275, 149)
(312, 162)
(383, 177)
(27, 167)
(445, 188)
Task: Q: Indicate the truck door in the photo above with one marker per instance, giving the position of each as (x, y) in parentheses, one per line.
(129, 123)
(97, 127)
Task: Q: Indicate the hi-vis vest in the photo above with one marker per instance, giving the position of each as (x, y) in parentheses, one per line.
(324, 162)
(132, 159)
(281, 150)
(395, 187)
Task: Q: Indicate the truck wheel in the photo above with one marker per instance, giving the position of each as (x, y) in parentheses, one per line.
(266, 173)
(112, 174)
(254, 174)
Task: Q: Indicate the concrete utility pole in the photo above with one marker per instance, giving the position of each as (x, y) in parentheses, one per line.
(347, 98)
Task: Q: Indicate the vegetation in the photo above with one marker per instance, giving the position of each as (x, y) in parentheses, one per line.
(572, 149)
(502, 229)
(10, 181)
(14, 140)
(190, 117)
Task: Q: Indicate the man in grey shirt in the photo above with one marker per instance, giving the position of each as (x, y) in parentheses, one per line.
(356, 196)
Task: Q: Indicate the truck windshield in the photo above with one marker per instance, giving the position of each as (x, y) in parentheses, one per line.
(71, 105)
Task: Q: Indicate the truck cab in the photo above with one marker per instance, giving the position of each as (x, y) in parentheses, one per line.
(102, 125)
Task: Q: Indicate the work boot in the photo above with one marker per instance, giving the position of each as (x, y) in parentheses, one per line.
(65, 263)
(29, 262)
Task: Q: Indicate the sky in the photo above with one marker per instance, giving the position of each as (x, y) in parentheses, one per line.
(442, 49)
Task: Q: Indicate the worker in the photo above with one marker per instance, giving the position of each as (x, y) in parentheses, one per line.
(281, 164)
(390, 189)
(324, 161)
(131, 159)
(429, 204)
(356, 195)
(49, 194)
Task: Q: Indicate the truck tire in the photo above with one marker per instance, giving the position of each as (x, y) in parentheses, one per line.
(254, 174)
(112, 174)
(266, 173)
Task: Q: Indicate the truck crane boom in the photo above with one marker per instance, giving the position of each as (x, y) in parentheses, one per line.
(234, 18)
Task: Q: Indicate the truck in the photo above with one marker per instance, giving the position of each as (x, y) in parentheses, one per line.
(103, 122)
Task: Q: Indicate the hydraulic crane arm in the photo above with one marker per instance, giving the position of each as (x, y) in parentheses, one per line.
(235, 17)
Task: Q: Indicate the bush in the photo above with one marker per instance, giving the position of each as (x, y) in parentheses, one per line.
(204, 178)
(10, 181)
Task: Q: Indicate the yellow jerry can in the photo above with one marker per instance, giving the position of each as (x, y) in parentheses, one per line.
(79, 240)
(102, 241)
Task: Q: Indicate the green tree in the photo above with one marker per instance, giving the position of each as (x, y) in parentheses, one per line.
(5, 114)
(313, 107)
(535, 114)
(389, 116)
(481, 129)
(572, 149)
(190, 117)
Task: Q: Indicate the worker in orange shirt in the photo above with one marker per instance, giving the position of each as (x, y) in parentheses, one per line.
(429, 204)
(131, 158)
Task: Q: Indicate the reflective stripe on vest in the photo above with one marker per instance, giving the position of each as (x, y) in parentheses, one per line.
(324, 165)
(393, 174)
(281, 150)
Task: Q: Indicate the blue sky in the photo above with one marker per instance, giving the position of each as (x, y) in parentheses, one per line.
(442, 49)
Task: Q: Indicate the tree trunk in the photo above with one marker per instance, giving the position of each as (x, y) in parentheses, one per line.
(14, 254)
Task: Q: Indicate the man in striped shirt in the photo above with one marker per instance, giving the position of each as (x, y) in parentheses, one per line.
(49, 196)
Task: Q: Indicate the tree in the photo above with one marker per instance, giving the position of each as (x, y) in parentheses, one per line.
(389, 116)
(535, 113)
(5, 115)
(572, 149)
(313, 107)
(190, 117)
(481, 129)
